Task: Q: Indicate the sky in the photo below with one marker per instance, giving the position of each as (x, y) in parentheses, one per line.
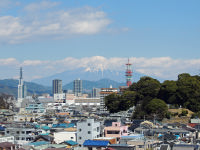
(45, 37)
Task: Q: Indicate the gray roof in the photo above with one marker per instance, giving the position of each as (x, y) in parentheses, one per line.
(164, 147)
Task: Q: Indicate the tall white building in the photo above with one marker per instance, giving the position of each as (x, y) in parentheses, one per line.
(21, 89)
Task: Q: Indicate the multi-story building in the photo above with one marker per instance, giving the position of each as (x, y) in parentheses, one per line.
(116, 130)
(36, 108)
(57, 86)
(77, 87)
(87, 101)
(10, 139)
(96, 92)
(87, 130)
(21, 90)
(105, 92)
(60, 97)
(23, 133)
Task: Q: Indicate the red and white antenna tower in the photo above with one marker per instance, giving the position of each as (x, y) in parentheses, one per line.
(128, 74)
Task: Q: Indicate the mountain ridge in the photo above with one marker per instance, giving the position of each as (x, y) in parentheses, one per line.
(84, 74)
(9, 86)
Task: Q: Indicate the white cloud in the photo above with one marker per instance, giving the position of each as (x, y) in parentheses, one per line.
(165, 68)
(33, 62)
(8, 62)
(40, 6)
(52, 23)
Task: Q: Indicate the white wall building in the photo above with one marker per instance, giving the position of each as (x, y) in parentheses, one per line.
(59, 97)
(62, 136)
(88, 101)
(87, 130)
(10, 139)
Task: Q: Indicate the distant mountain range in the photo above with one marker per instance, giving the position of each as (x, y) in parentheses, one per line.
(88, 85)
(9, 86)
(87, 74)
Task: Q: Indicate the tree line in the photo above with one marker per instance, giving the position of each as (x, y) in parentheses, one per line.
(150, 97)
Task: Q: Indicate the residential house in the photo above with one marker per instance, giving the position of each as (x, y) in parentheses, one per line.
(116, 130)
(61, 136)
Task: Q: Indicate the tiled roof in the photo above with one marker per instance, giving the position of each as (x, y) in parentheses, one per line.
(95, 143)
(46, 128)
(6, 144)
(38, 143)
(63, 125)
(72, 143)
(164, 147)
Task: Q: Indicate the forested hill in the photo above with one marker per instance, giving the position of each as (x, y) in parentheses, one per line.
(151, 97)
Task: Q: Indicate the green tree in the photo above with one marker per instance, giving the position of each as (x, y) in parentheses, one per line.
(188, 92)
(148, 86)
(157, 107)
(112, 102)
(168, 92)
(139, 112)
(127, 100)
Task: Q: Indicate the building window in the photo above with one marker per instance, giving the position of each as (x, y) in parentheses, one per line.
(23, 138)
(89, 132)
(80, 138)
(89, 124)
(113, 132)
(80, 130)
(23, 132)
(72, 137)
(17, 138)
(17, 132)
(97, 129)
(7, 132)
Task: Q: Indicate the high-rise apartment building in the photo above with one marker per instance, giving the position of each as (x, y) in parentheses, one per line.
(105, 92)
(21, 90)
(77, 87)
(21, 87)
(57, 86)
(96, 92)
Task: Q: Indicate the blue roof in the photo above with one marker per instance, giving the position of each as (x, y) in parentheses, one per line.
(96, 143)
(44, 134)
(46, 128)
(72, 143)
(2, 128)
(37, 126)
(38, 143)
(63, 125)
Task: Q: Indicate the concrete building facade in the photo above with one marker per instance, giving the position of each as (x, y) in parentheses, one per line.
(89, 129)
(77, 87)
(57, 86)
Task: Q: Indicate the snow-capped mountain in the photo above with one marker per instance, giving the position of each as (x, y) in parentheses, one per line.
(91, 74)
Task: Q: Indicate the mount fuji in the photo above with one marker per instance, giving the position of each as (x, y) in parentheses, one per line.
(87, 74)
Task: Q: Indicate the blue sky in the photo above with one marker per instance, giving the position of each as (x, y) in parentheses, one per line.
(41, 31)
